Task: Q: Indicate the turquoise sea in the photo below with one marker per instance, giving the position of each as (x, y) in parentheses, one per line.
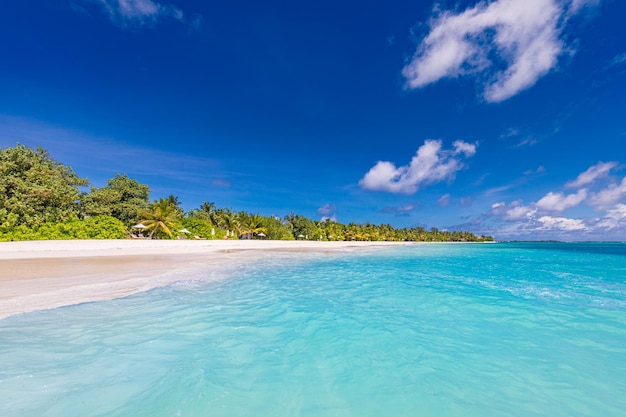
(507, 329)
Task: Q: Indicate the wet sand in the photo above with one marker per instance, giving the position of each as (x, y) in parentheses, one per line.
(41, 275)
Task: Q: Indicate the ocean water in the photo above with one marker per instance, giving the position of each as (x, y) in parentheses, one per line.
(510, 329)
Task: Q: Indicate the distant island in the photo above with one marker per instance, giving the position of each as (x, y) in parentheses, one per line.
(41, 199)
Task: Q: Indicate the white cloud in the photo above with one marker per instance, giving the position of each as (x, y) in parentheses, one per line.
(444, 200)
(593, 173)
(618, 59)
(430, 165)
(510, 44)
(614, 218)
(468, 149)
(328, 212)
(539, 170)
(513, 212)
(519, 213)
(327, 209)
(561, 223)
(576, 5)
(560, 202)
(138, 12)
(611, 195)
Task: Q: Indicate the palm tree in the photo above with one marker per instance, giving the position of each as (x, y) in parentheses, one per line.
(227, 220)
(209, 209)
(251, 224)
(162, 216)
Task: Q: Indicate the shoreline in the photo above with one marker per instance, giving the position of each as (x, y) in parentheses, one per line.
(42, 275)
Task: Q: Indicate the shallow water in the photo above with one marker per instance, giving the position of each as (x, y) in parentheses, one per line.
(515, 329)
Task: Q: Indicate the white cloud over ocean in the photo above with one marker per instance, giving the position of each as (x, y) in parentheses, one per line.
(506, 44)
(560, 202)
(430, 165)
(595, 187)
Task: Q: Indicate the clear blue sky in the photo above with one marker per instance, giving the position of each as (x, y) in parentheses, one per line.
(505, 117)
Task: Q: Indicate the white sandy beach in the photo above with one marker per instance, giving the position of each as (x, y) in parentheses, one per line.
(40, 275)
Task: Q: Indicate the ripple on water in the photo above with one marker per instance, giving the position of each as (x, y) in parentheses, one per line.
(450, 330)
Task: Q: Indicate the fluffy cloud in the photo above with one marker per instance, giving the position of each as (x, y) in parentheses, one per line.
(560, 202)
(328, 212)
(593, 173)
(614, 218)
(614, 193)
(513, 212)
(138, 12)
(561, 223)
(430, 165)
(536, 219)
(509, 43)
(519, 213)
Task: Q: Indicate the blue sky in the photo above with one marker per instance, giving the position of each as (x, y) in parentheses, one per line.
(502, 117)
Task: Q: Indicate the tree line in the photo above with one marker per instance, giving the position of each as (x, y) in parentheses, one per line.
(41, 198)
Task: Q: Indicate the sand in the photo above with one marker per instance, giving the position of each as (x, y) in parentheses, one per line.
(40, 275)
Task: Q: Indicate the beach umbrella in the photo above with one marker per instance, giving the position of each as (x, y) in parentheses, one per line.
(140, 226)
(184, 231)
(261, 235)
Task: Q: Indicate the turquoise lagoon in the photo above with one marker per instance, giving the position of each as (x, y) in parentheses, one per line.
(508, 329)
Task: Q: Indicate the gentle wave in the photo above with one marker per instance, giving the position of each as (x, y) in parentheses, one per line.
(442, 330)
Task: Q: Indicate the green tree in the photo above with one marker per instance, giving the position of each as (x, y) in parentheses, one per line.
(34, 188)
(228, 221)
(161, 218)
(301, 226)
(123, 198)
(207, 211)
(251, 224)
(276, 229)
(333, 230)
(202, 228)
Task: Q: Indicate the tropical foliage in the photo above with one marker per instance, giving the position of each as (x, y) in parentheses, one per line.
(123, 198)
(162, 218)
(35, 189)
(40, 198)
(99, 227)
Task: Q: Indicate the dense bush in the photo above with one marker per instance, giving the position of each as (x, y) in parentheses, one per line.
(98, 227)
(201, 228)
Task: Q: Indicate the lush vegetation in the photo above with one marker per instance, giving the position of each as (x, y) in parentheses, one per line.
(41, 198)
